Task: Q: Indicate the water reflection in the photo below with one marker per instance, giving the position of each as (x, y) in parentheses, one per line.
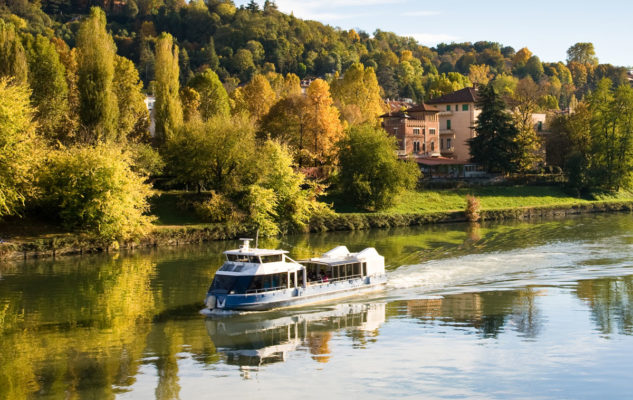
(256, 340)
(102, 326)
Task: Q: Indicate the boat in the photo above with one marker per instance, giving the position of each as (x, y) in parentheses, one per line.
(253, 279)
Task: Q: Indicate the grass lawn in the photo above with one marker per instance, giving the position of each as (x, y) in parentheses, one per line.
(491, 197)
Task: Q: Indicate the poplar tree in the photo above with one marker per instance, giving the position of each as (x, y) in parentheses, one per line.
(47, 78)
(13, 62)
(167, 109)
(98, 109)
(133, 115)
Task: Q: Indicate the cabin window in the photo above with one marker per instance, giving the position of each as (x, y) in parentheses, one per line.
(242, 258)
(272, 258)
(364, 269)
(230, 284)
(264, 283)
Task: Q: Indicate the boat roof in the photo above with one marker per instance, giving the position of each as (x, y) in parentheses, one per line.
(341, 255)
(255, 252)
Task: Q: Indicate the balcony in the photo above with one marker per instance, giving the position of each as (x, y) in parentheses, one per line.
(447, 133)
(448, 151)
(445, 113)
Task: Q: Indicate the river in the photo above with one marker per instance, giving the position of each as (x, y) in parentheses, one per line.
(539, 309)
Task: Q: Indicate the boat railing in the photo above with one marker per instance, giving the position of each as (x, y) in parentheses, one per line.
(270, 289)
(332, 280)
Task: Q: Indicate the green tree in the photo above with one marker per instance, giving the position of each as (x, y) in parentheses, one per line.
(371, 176)
(47, 78)
(495, 147)
(13, 61)
(133, 114)
(98, 109)
(212, 154)
(19, 154)
(255, 98)
(94, 189)
(167, 109)
(582, 53)
(524, 102)
(213, 97)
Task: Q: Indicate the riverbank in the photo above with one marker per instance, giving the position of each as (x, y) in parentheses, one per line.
(415, 208)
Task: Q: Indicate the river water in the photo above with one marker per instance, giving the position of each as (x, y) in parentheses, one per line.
(538, 310)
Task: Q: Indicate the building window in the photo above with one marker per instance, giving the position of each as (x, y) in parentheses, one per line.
(432, 146)
(431, 131)
(448, 124)
(464, 107)
(423, 146)
(416, 131)
(448, 144)
(395, 131)
(416, 147)
(441, 144)
(540, 126)
(448, 107)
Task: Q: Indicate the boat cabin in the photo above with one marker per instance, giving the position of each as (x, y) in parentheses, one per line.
(339, 264)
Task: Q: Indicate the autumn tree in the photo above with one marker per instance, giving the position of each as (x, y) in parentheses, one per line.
(583, 53)
(133, 120)
(13, 61)
(255, 98)
(286, 122)
(97, 101)
(480, 74)
(524, 102)
(213, 97)
(167, 109)
(495, 147)
(324, 129)
(19, 153)
(358, 94)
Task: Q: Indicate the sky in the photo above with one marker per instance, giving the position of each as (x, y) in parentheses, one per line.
(547, 28)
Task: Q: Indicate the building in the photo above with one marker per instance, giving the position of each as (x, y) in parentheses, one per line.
(416, 129)
(150, 101)
(457, 116)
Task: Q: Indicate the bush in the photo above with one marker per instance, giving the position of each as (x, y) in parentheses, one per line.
(473, 208)
(94, 189)
(217, 209)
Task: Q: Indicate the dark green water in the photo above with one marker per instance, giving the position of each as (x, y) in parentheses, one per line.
(516, 310)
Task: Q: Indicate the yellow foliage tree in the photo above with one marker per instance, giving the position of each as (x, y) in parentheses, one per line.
(480, 74)
(323, 129)
(256, 97)
(358, 95)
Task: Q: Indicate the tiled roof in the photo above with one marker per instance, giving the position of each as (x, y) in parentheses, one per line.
(423, 107)
(466, 95)
(404, 114)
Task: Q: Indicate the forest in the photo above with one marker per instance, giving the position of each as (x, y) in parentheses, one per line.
(261, 113)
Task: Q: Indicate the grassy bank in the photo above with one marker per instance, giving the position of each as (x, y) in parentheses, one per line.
(175, 224)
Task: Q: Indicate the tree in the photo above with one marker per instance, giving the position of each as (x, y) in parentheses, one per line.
(19, 153)
(323, 126)
(358, 93)
(13, 61)
(524, 102)
(479, 74)
(255, 98)
(213, 97)
(133, 115)
(98, 109)
(167, 109)
(495, 147)
(534, 68)
(521, 58)
(582, 53)
(214, 154)
(47, 79)
(94, 189)
(281, 198)
(371, 176)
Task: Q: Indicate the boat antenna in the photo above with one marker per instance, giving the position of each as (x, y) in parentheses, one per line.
(257, 239)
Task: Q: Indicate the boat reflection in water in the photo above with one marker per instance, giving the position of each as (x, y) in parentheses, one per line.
(257, 339)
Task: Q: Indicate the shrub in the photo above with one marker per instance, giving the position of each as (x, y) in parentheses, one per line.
(217, 209)
(94, 189)
(473, 208)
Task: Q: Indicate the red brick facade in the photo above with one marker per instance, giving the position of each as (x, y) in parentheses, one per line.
(417, 130)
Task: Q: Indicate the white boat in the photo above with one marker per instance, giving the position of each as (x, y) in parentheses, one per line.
(253, 279)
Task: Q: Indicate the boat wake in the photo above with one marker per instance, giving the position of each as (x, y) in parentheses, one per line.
(558, 262)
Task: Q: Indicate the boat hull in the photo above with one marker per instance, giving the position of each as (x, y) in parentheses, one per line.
(295, 296)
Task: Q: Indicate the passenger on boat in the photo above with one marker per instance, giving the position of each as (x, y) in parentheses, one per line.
(325, 278)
